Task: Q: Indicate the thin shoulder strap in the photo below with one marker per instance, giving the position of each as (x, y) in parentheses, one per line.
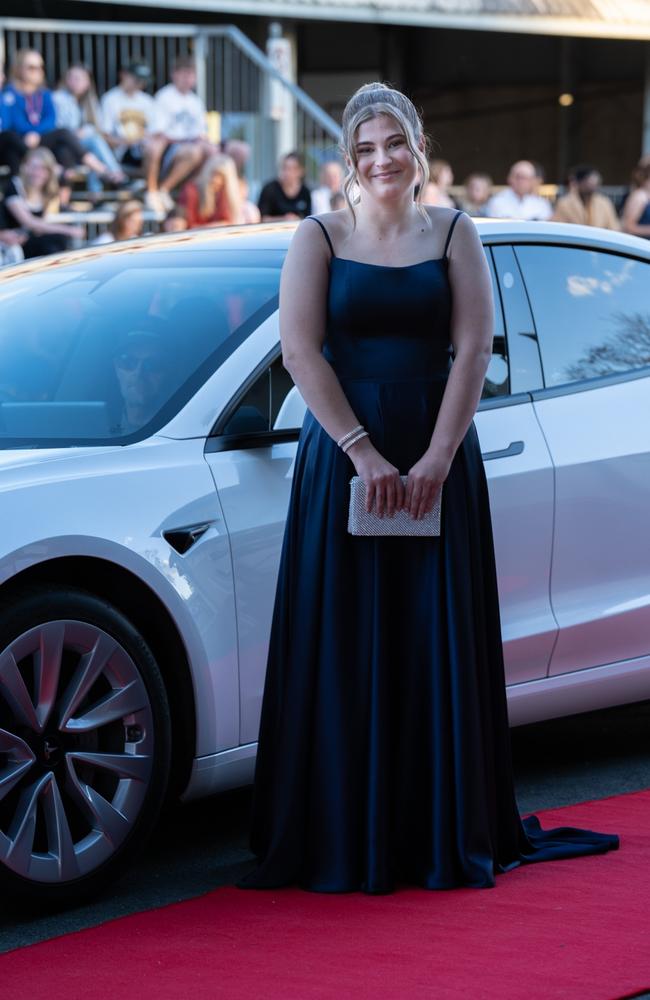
(451, 229)
(327, 236)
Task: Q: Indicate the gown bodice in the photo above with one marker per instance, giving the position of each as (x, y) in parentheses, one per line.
(388, 322)
(385, 322)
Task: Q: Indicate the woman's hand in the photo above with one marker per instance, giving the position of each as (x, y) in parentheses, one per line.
(382, 480)
(424, 482)
(12, 237)
(32, 140)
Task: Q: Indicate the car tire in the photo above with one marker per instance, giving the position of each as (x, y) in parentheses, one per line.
(85, 744)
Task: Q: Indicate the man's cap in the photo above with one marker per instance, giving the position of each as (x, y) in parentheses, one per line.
(153, 334)
(140, 70)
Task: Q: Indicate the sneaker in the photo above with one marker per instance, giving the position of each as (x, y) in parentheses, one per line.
(167, 200)
(154, 202)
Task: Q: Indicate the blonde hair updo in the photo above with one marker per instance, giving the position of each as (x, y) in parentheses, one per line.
(370, 101)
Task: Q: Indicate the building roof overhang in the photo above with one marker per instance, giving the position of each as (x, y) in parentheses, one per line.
(626, 19)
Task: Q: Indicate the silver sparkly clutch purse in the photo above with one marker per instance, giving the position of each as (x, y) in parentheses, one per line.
(362, 522)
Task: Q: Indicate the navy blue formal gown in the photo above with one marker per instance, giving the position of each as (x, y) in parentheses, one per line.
(384, 750)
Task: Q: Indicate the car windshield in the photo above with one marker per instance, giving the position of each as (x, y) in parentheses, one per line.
(107, 351)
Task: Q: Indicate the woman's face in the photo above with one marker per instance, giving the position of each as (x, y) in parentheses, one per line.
(478, 190)
(132, 225)
(77, 81)
(37, 173)
(445, 177)
(291, 172)
(386, 168)
(32, 69)
(218, 182)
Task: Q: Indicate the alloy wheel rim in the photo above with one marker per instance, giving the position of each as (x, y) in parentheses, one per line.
(76, 750)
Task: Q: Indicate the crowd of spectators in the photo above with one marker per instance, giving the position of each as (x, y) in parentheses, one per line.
(155, 151)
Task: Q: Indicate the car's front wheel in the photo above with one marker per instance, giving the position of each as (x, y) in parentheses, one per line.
(85, 741)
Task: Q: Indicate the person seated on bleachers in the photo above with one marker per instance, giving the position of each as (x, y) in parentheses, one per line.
(12, 147)
(77, 109)
(240, 151)
(127, 223)
(436, 190)
(175, 221)
(287, 196)
(476, 194)
(29, 198)
(28, 114)
(636, 208)
(11, 246)
(132, 127)
(182, 122)
(519, 199)
(214, 198)
(330, 177)
(583, 204)
(250, 212)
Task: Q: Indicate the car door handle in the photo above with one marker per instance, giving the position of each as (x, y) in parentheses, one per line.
(514, 448)
(182, 539)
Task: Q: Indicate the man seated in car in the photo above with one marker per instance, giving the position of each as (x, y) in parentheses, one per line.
(141, 365)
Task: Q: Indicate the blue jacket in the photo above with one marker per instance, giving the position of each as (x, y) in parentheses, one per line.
(13, 113)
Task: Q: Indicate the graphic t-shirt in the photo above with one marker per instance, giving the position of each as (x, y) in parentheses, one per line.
(129, 116)
(181, 116)
(273, 201)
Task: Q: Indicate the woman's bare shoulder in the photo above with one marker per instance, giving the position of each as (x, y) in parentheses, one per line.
(308, 249)
(337, 223)
(440, 215)
(636, 198)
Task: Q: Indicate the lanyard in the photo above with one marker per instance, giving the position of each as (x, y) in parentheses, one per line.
(34, 106)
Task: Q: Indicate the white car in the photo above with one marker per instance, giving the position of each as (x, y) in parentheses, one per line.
(149, 431)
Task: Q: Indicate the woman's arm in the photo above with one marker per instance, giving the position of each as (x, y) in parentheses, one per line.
(33, 224)
(632, 212)
(472, 322)
(303, 311)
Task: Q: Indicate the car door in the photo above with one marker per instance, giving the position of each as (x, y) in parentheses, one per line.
(520, 478)
(251, 454)
(591, 310)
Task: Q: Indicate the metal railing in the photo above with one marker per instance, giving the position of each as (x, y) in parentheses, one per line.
(235, 78)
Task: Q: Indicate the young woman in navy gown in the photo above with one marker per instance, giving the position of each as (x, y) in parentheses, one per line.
(384, 747)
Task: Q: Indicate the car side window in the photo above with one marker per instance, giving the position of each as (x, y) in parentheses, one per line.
(272, 402)
(591, 311)
(497, 380)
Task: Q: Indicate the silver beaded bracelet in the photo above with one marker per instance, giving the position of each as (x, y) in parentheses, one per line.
(348, 444)
(350, 434)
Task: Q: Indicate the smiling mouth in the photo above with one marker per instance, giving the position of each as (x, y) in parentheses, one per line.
(390, 173)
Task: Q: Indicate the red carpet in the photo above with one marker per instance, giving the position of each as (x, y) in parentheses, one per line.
(575, 929)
